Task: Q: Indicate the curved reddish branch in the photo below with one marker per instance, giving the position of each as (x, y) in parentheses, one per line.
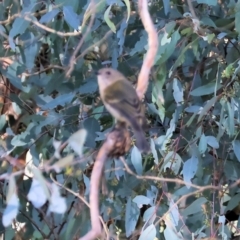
(94, 189)
(111, 140)
(152, 48)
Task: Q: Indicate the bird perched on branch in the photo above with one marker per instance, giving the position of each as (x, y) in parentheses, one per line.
(121, 100)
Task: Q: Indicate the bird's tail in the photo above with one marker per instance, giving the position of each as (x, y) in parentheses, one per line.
(141, 141)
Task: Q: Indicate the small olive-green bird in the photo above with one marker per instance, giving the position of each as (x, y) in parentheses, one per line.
(121, 100)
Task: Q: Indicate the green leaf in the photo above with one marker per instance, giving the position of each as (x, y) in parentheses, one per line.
(108, 21)
(181, 56)
(154, 152)
(173, 161)
(131, 216)
(234, 201)
(87, 184)
(140, 44)
(212, 141)
(57, 203)
(90, 86)
(3, 122)
(22, 139)
(37, 193)
(141, 200)
(97, 112)
(127, 2)
(166, 5)
(16, 108)
(9, 233)
(136, 159)
(149, 233)
(11, 74)
(208, 2)
(77, 140)
(230, 120)
(237, 19)
(177, 91)
(150, 215)
(202, 147)
(11, 188)
(92, 126)
(170, 233)
(71, 17)
(174, 213)
(64, 162)
(2, 29)
(39, 177)
(205, 89)
(189, 170)
(195, 206)
(19, 26)
(60, 100)
(46, 18)
(30, 51)
(11, 211)
(207, 107)
(121, 36)
(236, 148)
(207, 21)
(167, 46)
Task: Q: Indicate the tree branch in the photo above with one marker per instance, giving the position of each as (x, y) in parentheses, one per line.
(152, 50)
(120, 134)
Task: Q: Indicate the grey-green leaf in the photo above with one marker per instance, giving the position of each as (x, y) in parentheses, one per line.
(46, 18)
(236, 148)
(205, 89)
(136, 159)
(71, 17)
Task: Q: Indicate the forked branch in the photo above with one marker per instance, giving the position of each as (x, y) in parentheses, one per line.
(120, 133)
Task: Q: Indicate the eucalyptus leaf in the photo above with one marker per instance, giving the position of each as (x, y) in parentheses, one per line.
(236, 148)
(77, 140)
(71, 17)
(61, 100)
(206, 108)
(136, 159)
(141, 200)
(189, 170)
(36, 194)
(205, 90)
(57, 202)
(108, 21)
(127, 2)
(195, 206)
(148, 233)
(47, 17)
(11, 211)
(173, 161)
(64, 162)
(210, 2)
(212, 141)
(131, 216)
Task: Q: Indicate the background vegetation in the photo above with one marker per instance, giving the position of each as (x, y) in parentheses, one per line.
(49, 51)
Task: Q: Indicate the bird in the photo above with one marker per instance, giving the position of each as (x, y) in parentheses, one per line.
(121, 100)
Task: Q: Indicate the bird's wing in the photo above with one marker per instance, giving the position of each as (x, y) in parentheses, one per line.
(127, 96)
(126, 102)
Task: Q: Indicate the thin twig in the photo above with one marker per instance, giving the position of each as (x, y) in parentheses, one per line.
(73, 57)
(61, 34)
(191, 9)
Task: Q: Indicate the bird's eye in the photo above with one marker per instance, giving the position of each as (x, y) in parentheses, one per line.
(108, 73)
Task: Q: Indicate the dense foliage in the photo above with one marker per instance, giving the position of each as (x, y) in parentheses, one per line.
(192, 106)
